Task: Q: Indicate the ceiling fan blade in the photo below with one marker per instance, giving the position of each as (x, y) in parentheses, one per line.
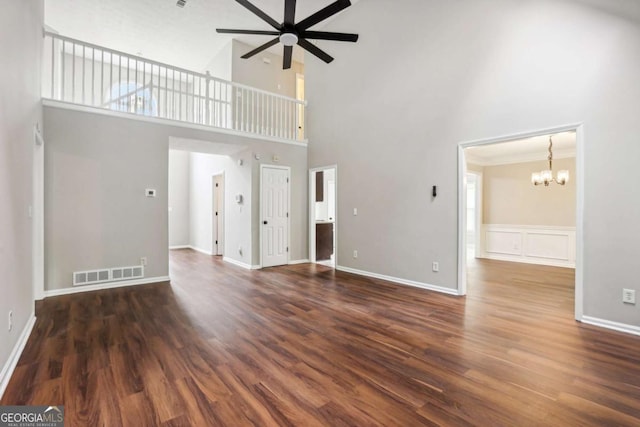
(288, 52)
(289, 12)
(324, 35)
(323, 14)
(314, 50)
(259, 49)
(269, 20)
(259, 32)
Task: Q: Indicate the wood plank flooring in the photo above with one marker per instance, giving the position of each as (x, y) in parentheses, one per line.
(305, 346)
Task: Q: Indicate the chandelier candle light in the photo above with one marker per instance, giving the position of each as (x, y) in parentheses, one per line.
(546, 176)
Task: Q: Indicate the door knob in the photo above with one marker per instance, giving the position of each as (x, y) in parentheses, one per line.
(264, 222)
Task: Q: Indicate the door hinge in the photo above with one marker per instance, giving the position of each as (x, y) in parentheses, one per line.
(287, 214)
(216, 242)
(216, 213)
(216, 184)
(287, 248)
(287, 180)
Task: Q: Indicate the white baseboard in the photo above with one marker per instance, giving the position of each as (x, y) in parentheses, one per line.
(179, 247)
(12, 362)
(620, 327)
(522, 260)
(202, 251)
(299, 261)
(239, 263)
(101, 286)
(400, 281)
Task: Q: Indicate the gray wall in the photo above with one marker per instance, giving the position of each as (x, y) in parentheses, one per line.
(179, 206)
(390, 111)
(20, 49)
(96, 214)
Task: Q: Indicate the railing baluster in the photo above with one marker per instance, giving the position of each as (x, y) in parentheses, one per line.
(73, 72)
(93, 77)
(136, 81)
(119, 83)
(221, 104)
(102, 78)
(53, 65)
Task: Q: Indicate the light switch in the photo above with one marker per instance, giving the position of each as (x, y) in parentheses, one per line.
(150, 192)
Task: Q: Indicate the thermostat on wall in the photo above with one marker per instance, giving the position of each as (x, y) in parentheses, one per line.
(150, 192)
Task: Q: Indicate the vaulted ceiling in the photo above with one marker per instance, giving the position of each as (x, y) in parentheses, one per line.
(164, 32)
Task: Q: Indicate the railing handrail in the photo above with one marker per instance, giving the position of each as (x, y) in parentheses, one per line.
(172, 67)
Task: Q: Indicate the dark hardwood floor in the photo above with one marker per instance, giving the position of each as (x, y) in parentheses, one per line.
(304, 346)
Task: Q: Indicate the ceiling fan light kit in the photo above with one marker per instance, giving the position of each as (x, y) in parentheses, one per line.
(289, 33)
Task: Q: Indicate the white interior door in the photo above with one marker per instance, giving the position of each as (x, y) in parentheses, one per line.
(218, 215)
(274, 215)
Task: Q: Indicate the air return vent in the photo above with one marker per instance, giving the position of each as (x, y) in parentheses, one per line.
(91, 277)
(127, 273)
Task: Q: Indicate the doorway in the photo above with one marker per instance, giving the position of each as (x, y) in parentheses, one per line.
(274, 215)
(217, 225)
(505, 242)
(323, 215)
(474, 213)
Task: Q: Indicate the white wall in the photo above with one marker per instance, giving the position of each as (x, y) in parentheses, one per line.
(179, 211)
(266, 76)
(391, 111)
(21, 35)
(220, 65)
(203, 167)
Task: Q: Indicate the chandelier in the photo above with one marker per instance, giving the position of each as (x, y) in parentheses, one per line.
(546, 176)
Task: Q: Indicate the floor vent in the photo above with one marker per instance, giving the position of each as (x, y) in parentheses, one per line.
(92, 277)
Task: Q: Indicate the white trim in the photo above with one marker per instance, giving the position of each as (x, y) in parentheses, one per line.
(37, 215)
(202, 251)
(398, 280)
(179, 247)
(523, 246)
(18, 348)
(312, 213)
(608, 324)
(288, 169)
(580, 181)
(101, 286)
(299, 261)
(240, 263)
(521, 158)
(167, 122)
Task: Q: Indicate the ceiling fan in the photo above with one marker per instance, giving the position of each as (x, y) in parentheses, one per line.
(289, 33)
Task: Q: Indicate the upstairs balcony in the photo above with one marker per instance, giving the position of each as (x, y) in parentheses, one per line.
(82, 74)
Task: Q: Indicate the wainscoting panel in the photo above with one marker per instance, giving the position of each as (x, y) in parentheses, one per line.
(530, 244)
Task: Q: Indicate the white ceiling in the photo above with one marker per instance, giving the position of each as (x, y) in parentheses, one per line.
(184, 37)
(523, 150)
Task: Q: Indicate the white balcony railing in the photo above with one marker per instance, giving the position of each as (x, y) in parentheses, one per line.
(85, 74)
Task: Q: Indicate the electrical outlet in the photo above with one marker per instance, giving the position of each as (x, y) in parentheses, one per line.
(10, 320)
(143, 260)
(628, 296)
(355, 211)
(435, 266)
(355, 253)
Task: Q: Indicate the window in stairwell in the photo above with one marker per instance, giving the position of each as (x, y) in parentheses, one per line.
(130, 97)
